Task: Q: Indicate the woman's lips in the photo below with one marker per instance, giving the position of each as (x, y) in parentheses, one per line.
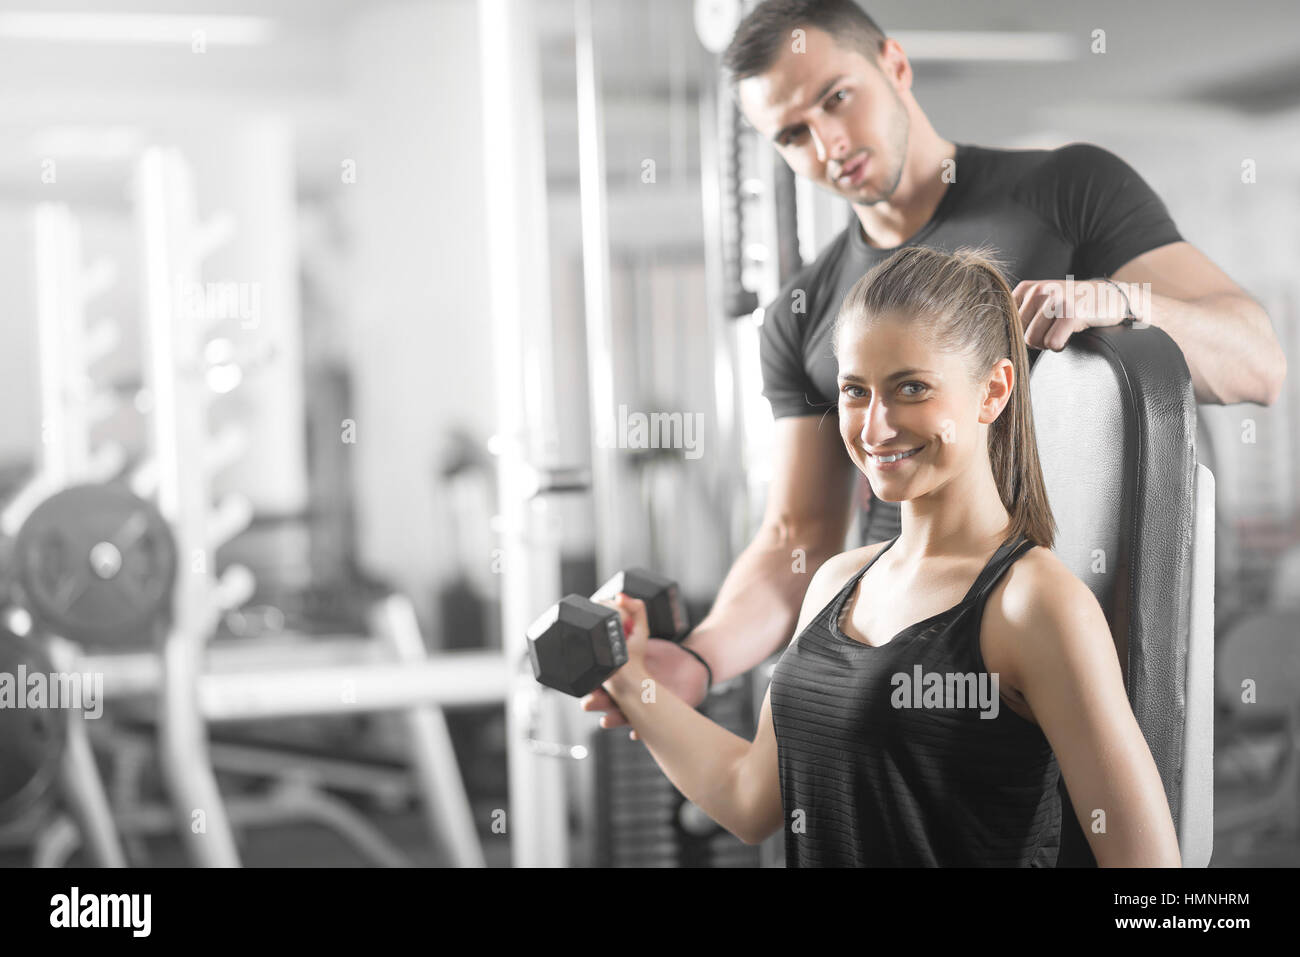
(897, 463)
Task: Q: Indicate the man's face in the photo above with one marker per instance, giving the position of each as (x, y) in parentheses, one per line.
(827, 110)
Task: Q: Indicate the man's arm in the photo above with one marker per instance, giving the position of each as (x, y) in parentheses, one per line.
(1121, 229)
(1225, 335)
(807, 516)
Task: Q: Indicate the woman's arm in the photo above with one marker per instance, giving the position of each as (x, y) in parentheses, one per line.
(734, 781)
(698, 755)
(1067, 668)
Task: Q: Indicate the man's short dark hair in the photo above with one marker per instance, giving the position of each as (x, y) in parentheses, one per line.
(765, 31)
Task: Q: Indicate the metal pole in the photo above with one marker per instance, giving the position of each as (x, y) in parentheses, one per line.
(242, 688)
(167, 232)
(83, 788)
(519, 302)
(722, 277)
(433, 758)
(595, 259)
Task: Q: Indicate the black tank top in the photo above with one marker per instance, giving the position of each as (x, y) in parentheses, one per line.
(882, 764)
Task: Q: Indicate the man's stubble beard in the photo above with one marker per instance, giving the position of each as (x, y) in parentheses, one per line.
(900, 127)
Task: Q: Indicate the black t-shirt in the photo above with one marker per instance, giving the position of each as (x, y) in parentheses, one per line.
(1078, 210)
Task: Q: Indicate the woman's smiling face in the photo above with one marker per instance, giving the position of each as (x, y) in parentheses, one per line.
(912, 416)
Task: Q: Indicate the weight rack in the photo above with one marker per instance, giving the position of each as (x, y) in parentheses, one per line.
(388, 669)
(194, 683)
(72, 404)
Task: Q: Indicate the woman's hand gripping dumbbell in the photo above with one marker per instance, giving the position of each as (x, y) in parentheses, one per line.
(578, 642)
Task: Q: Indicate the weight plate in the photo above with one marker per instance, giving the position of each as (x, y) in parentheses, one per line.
(32, 739)
(96, 564)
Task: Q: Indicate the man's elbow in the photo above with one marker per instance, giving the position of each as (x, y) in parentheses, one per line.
(1270, 368)
(1277, 381)
(1260, 376)
(1265, 380)
(1260, 382)
(814, 540)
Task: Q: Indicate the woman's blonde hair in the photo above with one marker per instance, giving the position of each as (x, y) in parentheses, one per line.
(963, 304)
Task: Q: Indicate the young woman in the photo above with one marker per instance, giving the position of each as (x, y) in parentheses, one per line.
(939, 682)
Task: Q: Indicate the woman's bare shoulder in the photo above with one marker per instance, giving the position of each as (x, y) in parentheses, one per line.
(1038, 578)
(1040, 599)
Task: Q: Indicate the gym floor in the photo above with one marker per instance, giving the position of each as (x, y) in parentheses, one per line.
(306, 845)
(310, 846)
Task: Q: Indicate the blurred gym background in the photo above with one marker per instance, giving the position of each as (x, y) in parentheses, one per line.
(332, 182)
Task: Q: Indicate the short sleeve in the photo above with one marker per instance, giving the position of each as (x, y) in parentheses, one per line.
(1107, 210)
(786, 383)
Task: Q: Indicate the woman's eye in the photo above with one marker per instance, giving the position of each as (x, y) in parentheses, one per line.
(849, 390)
(838, 97)
(920, 387)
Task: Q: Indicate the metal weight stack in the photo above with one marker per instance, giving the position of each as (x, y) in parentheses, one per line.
(643, 821)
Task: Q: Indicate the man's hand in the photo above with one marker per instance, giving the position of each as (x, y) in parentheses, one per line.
(665, 661)
(1052, 310)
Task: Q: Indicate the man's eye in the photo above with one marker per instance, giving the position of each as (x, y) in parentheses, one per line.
(849, 389)
(791, 137)
(838, 97)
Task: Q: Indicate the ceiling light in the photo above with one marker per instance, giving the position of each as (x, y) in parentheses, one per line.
(988, 45)
(139, 28)
(86, 142)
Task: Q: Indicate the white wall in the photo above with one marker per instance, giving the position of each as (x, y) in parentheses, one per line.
(420, 343)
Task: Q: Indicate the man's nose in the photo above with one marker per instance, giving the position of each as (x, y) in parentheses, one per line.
(830, 141)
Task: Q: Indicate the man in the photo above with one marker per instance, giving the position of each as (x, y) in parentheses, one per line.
(833, 94)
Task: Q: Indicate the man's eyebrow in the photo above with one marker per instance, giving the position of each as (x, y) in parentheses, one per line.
(850, 377)
(776, 138)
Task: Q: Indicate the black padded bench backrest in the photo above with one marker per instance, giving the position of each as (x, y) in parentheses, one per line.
(1115, 418)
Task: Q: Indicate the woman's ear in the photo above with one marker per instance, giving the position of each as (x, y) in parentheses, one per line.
(998, 387)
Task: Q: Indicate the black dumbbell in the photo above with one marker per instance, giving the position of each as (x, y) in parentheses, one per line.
(577, 643)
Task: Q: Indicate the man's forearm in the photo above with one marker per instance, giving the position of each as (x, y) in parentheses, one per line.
(1231, 350)
(757, 607)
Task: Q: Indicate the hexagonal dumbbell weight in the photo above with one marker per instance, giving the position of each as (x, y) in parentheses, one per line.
(577, 643)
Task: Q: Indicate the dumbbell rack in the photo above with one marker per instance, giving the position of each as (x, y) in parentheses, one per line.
(388, 669)
(71, 405)
(173, 247)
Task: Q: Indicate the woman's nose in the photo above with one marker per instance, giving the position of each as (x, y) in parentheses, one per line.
(876, 429)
